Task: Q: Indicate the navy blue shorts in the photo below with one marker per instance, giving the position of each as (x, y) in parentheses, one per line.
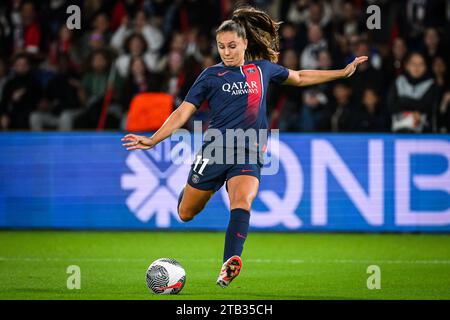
(205, 176)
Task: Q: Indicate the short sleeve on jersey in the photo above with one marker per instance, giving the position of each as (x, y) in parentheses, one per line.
(278, 73)
(199, 90)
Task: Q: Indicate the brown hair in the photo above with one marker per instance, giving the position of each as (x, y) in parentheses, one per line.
(259, 29)
(138, 36)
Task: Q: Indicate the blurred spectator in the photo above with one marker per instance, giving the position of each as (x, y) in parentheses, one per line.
(316, 43)
(178, 43)
(198, 45)
(366, 75)
(94, 86)
(349, 23)
(342, 119)
(440, 73)
(342, 51)
(444, 114)
(284, 102)
(21, 95)
(140, 24)
(315, 115)
(140, 79)
(136, 46)
(361, 47)
(204, 46)
(171, 42)
(371, 116)
(190, 70)
(175, 76)
(98, 37)
(414, 16)
(183, 15)
(65, 45)
(297, 12)
(208, 61)
(289, 37)
(94, 82)
(433, 45)
(122, 10)
(413, 98)
(55, 15)
(6, 31)
(304, 13)
(91, 7)
(320, 13)
(393, 65)
(60, 103)
(27, 32)
(3, 75)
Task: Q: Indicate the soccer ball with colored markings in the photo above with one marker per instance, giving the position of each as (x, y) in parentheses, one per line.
(166, 276)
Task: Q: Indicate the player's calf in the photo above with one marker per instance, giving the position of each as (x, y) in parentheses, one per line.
(186, 214)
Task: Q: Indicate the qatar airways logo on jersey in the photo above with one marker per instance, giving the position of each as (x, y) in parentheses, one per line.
(241, 87)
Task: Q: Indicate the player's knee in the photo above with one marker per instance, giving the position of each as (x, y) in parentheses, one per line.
(185, 214)
(242, 202)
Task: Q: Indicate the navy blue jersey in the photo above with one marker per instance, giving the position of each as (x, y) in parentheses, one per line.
(237, 99)
(236, 95)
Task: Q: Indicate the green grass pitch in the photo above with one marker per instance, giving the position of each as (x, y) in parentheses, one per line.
(33, 265)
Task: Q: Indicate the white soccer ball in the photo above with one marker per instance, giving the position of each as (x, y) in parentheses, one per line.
(166, 276)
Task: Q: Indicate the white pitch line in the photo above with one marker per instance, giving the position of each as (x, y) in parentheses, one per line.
(292, 261)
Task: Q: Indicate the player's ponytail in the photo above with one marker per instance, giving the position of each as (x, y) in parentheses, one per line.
(261, 32)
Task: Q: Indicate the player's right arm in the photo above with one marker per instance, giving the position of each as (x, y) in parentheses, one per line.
(175, 121)
(304, 78)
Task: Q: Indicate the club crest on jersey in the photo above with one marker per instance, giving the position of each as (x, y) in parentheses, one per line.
(251, 70)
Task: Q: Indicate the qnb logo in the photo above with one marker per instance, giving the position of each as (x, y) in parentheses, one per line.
(155, 183)
(240, 87)
(292, 194)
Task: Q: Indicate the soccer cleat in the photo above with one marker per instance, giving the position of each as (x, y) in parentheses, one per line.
(230, 270)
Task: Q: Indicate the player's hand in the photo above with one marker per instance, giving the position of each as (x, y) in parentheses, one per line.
(17, 94)
(4, 122)
(351, 67)
(135, 142)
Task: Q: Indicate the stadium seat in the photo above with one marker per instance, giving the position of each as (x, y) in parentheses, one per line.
(148, 111)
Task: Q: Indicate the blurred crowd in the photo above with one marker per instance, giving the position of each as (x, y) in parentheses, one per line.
(54, 78)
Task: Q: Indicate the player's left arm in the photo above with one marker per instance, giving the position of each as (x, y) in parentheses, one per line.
(304, 78)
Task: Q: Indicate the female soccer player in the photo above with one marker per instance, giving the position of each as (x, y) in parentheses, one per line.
(236, 91)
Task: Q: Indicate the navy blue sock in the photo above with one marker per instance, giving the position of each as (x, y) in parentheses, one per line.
(180, 197)
(236, 233)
